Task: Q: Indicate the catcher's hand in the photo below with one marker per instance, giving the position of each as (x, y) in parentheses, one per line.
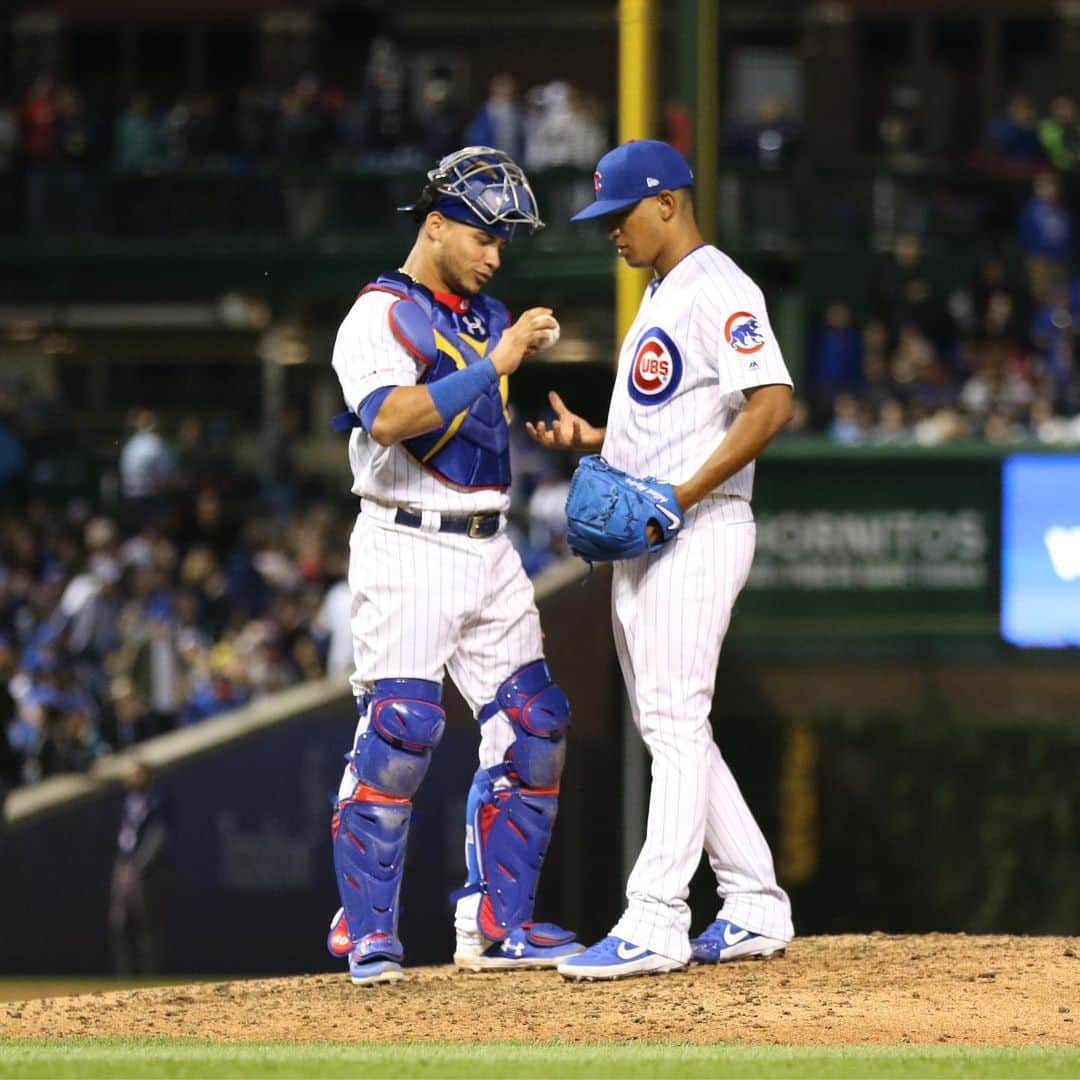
(609, 512)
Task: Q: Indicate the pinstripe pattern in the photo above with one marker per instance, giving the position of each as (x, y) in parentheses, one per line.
(367, 356)
(423, 602)
(692, 304)
(426, 602)
(671, 610)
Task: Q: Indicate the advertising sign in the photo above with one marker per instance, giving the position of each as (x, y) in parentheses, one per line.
(1040, 550)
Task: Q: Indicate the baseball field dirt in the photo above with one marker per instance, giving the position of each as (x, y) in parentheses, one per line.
(934, 988)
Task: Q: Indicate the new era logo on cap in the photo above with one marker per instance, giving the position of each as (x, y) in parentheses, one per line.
(634, 171)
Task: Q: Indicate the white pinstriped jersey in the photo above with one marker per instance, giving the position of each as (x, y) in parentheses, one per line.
(367, 356)
(701, 336)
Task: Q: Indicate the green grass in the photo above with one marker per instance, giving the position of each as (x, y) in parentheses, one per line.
(153, 1058)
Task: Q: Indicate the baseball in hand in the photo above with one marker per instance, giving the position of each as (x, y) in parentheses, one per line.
(548, 338)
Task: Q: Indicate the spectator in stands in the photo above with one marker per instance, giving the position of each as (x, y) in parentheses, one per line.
(71, 740)
(1053, 332)
(37, 119)
(1014, 134)
(500, 121)
(563, 129)
(333, 621)
(437, 122)
(846, 427)
(147, 466)
(835, 357)
(385, 91)
(1059, 133)
(876, 382)
(135, 137)
(892, 426)
(1046, 236)
(906, 295)
(75, 148)
(139, 890)
(547, 520)
(10, 762)
(770, 138)
(302, 140)
(941, 427)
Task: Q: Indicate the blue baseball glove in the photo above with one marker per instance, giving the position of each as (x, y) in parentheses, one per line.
(608, 512)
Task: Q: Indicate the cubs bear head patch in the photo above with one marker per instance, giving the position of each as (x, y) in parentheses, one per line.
(743, 332)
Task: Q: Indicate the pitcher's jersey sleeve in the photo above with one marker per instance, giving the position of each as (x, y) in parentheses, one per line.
(366, 353)
(733, 327)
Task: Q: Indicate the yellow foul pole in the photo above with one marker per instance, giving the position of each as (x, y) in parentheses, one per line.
(638, 45)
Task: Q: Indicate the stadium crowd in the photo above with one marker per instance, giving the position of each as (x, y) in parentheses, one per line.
(994, 358)
(192, 592)
(63, 159)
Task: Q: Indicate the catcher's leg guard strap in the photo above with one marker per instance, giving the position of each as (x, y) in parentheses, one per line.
(511, 827)
(406, 724)
(540, 714)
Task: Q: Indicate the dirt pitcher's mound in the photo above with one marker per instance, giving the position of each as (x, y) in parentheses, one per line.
(877, 989)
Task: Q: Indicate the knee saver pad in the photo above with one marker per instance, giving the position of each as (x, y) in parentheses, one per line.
(406, 724)
(540, 714)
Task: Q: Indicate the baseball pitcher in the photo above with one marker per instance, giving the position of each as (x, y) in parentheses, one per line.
(701, 388)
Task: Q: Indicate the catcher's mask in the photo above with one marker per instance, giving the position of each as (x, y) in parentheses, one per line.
(479, 186)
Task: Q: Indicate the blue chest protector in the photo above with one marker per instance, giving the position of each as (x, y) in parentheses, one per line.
(472, 450)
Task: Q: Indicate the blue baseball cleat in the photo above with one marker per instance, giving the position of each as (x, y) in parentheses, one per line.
(376, 959)
(614, 958)
(532, 945)
(722, 940)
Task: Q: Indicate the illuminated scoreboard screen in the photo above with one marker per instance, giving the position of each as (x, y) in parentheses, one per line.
(1040, 550)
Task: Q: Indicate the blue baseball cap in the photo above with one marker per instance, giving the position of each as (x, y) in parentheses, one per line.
(633, 172)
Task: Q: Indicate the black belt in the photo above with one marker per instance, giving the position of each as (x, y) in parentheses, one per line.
(474, 526)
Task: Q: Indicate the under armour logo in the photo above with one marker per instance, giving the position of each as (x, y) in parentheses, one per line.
(473, 323)
(515, 947)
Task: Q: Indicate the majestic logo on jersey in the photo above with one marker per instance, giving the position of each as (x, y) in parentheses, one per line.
(597, 182)
(657, 368)
(743, 332)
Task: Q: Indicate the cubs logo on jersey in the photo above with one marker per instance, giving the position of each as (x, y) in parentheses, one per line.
(657, 368)
(743, 333)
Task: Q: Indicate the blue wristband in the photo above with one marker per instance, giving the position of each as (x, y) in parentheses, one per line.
(458, 391)
(370, 406)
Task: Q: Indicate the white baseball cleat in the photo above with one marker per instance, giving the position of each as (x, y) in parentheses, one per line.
(534, 945)
(614, 958)
(722, 940)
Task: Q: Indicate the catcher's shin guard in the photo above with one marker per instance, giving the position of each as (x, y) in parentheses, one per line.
(511, 808)
(371, 823)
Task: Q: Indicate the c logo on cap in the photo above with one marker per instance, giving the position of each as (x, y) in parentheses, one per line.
(597, 182)
(656, 371)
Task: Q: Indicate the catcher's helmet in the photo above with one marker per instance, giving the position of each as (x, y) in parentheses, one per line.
(479, 186)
